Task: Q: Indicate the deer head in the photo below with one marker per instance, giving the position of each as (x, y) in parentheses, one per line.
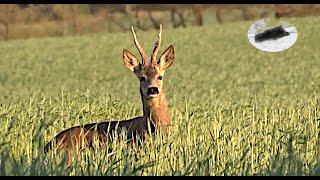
(150, 71)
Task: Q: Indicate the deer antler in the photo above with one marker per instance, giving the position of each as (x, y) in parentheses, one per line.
(156, 47)
(141, 51)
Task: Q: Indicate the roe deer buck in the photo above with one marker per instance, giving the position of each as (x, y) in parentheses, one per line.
(155, 107)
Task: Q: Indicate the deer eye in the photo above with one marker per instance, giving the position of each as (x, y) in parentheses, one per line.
(142, 78)
(160, 77)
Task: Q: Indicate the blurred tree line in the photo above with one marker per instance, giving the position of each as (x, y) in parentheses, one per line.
(36, 20)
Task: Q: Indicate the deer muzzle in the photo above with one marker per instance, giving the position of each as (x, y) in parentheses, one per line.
(152, 91)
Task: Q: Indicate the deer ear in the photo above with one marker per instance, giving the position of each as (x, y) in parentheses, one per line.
(130, 60)
(167, 58)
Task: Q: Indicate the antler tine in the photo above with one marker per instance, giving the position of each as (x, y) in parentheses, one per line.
(141, 51)
(156, 47)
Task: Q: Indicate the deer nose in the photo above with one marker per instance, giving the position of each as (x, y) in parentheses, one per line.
(152, 90)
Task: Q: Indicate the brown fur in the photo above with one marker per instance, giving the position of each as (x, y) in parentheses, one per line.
(72, 137)
(159, 112)
(155, 106)
(79, 137)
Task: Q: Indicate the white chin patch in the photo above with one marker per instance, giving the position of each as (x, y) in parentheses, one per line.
(152, 95)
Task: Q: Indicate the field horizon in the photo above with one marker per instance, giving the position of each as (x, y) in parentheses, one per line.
(235, 110)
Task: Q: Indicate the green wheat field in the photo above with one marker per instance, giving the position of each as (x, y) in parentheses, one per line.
(235, 110)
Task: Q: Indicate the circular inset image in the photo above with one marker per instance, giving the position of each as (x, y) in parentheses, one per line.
(272, 39)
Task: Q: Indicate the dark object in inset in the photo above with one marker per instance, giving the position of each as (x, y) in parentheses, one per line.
(272, 33)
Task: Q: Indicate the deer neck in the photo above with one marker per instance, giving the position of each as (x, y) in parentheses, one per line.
(156, 110)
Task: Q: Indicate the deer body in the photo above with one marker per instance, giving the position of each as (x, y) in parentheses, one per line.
(155, 106)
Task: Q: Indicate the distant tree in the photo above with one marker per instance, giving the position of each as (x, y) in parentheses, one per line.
(69, 15)
(7, 17)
